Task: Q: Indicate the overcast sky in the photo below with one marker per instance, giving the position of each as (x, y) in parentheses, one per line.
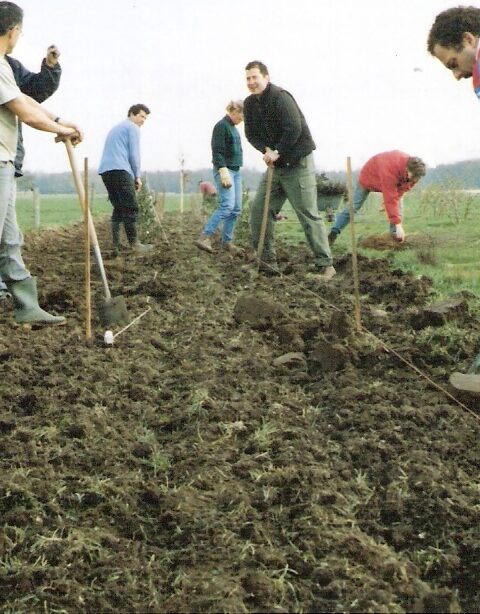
(359, 70)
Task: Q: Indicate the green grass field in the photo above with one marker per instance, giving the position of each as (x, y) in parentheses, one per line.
(58, 210)
(446, 229)
(449, 229)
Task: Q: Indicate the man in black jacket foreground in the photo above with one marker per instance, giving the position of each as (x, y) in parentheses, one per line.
(39, 86)
(275, 125)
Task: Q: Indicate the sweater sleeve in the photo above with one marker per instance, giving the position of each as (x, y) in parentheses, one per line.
(391, 196)
(134, 149)
(254, 132)
(219, 145)
(291, 123)
(39, 86)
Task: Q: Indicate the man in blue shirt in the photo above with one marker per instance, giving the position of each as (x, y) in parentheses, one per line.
(120, 172)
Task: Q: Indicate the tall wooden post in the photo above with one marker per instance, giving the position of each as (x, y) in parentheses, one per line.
(88, 301)
(182, 164)
(36, 208)
(356, 283)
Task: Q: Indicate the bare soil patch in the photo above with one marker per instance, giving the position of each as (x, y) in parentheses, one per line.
(186, 468)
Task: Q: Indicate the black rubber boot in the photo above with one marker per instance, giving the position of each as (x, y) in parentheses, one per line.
(131, 232)
(116, 236)
(332, 237)
(25, 302)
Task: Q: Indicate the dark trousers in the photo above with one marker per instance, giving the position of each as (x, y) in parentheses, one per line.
(121, 193)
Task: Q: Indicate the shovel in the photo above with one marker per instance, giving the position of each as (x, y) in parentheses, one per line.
(114, 309)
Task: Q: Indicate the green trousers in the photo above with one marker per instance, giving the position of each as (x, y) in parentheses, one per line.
(298, 185)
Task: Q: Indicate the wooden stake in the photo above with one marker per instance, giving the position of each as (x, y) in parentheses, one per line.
(36, 208)
(88, 298)
(182, 182)
(266, 206)
(356, 284)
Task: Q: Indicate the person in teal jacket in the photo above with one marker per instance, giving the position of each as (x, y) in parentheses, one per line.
(227, 158)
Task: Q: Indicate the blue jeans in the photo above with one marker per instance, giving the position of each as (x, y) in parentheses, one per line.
(359, 197)
(229, 206)
(12, 267)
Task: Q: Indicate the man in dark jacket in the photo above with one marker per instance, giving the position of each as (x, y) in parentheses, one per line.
(275, 125)
(39, 86)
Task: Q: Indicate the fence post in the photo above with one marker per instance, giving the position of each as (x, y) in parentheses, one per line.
(36, 208)
(160, 204)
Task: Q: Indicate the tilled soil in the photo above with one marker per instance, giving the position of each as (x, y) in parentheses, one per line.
(241, 448)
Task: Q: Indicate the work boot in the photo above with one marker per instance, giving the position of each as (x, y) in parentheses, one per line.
(232, 249)
(324, 274)
(332, 237)
(142, 248)
(204, 242)
(131, 232)
(25, 303)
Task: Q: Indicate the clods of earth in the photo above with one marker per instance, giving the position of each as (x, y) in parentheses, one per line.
(242, 447)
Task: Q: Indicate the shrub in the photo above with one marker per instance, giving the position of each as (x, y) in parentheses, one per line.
(330, 187)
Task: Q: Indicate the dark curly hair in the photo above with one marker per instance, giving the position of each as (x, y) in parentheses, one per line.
(450, 26)
(136, 108)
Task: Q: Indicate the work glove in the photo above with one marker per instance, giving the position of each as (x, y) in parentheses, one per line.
(225, 177)
(399, 233)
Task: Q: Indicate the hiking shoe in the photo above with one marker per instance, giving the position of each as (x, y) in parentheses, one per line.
(324, 273)
(142, 248)
(234, 250)
(204, 242)
(332, 237)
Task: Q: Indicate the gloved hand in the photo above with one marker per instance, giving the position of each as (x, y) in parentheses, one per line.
(399, 233)
(225, 177)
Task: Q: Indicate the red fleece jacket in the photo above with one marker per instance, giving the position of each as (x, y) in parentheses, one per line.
(387, 173)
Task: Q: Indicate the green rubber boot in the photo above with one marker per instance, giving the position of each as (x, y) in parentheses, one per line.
(25, 302)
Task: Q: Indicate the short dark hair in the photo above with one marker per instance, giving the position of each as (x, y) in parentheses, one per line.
(260, 65)
(11, 15)
(136, 108)
(450, 26)
(417, 167)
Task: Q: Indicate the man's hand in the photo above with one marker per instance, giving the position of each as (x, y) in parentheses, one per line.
(225, 177)
(399, 233)
(270, 156)
(138, 183)
(72, 131)
(52, 56)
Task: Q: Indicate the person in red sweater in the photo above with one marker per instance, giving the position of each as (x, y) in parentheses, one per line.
(392, 173)
(207, 190)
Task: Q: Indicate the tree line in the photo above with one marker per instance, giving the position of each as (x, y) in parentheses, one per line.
(465, 174)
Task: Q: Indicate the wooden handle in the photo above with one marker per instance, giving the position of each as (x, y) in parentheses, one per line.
(356, 283)
(93, 235)
(266, 205)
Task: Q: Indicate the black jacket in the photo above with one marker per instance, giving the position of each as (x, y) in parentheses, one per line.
(275, 120)
(38, 86)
